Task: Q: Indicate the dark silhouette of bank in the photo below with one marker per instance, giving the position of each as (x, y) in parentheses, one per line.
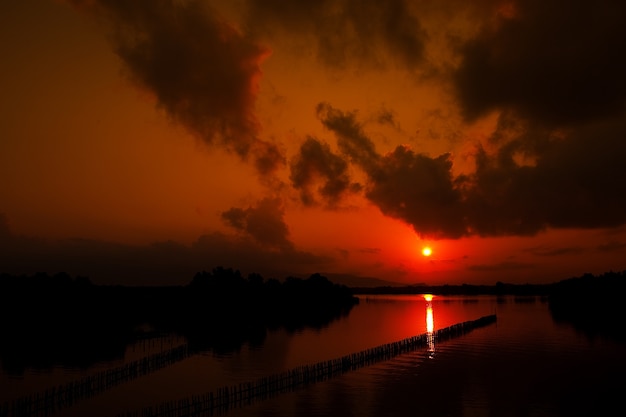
(231, 303)
(592, 304)
(500, 288)
(49, 320)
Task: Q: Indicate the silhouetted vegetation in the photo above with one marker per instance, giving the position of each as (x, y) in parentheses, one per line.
(592, 304)
(499, 288)
(57, 319)
(47, 320)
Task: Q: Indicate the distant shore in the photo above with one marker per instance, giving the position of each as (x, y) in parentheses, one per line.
(463, 289)
(72, 321)
(593, 304)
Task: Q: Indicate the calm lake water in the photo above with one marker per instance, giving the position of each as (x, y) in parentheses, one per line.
(525, 364)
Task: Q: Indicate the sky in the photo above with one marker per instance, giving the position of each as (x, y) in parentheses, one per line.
(143, 141)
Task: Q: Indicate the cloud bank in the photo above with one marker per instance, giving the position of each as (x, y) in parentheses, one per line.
(163, 263)
(551, 71)
(347, 31)
(203, 72)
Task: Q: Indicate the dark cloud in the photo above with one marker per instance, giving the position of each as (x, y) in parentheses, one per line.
(552, 70)
(343, 253)
(386, 117)
(268, 157)
(419, 190)
(535, 179)
(203, 72)
(351, 139)
(346, 31)
(575, 181)
(612, 246)
(502, 266)
(558, 62)
(102, 262)
(413, 187)
(264, 223)
(258, 256)
(546, 65)
(160, 263)
(549, 251)
(316, 163)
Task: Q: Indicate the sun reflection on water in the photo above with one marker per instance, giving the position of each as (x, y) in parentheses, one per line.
(430, 325)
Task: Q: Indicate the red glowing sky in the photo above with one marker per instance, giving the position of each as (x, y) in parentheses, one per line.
(144, 141)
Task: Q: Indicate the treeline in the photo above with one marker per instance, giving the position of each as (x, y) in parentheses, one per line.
(499, 288)
(570, 287)
(222, 289)
(594, 304)
(311, 298)
(254, 304)
(57, 319)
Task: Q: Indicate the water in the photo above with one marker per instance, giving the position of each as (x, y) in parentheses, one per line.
(526, 364)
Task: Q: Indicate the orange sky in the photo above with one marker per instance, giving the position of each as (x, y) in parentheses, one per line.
(143, 141)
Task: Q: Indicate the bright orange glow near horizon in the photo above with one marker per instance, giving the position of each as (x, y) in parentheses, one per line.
(427, 251)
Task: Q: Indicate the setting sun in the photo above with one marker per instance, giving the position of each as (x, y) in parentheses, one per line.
(427, 251)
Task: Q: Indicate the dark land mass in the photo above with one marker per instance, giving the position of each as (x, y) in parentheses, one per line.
(48, 320)
(59, 320)
(594, 305)
(499, 288)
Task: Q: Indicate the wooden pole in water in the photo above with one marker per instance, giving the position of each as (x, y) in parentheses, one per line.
(266, 387)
